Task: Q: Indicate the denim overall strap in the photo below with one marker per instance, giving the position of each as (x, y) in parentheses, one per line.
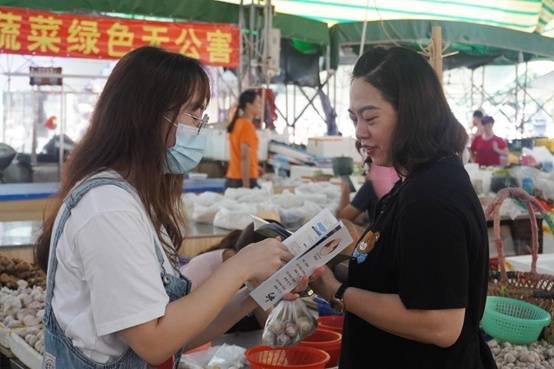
(160, 257)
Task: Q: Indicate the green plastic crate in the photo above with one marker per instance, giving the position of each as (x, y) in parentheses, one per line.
(514, 321)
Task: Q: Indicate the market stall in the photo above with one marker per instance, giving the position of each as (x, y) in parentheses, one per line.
(27, 201)
(294, 201)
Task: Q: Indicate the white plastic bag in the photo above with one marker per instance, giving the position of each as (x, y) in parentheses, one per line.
(227, 357)
(206, 214)
(253, 198)
(293, 218)
(329, 190)
(289, 323)
(208, 198)
(287, 200)
(311, 209)
(237, 218)
(236, 193)
(223, 357)
(188, 201)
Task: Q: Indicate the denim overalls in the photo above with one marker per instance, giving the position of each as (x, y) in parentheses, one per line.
(59, 351)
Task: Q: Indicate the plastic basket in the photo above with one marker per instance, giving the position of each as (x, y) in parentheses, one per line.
(331, 322)
(514, 321)
(326, 340)
(301, 357)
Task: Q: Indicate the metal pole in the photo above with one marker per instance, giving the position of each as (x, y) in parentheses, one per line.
(287, 103)
(335, 90)
(219, 95)
(241, 46)
(436, 36)
(498, 103)
(265, 61)
(482, 85)
(516, 91)
(310, 101)
(328, 64)
(5, 115)
(524, 99)
(268, 43)
(293, 101)
(251, 43)
(539, 105)
(294, 110)
(7, 106)
(280, 113)
(364, 29)
(62, 132)
(34, 128)
(471, 101)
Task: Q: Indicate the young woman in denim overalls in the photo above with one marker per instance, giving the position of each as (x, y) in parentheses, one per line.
(115, 298)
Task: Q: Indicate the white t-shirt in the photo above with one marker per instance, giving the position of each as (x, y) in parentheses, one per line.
(108, 275)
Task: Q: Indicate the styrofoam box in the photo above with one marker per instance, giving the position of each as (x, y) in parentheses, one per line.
(333, 146)
(24, 352)
(218, 145)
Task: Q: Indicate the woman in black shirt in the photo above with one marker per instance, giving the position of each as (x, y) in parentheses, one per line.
(417, 280)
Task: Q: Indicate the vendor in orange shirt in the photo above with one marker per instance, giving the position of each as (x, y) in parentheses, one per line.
(243, 142)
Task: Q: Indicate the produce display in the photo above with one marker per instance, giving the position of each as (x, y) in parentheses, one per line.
(12, 270)
(537, 182)
(538, 355)
(22, 310)
(233, 209)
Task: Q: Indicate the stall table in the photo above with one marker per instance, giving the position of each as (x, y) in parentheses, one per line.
(17, 238)
(28, 201)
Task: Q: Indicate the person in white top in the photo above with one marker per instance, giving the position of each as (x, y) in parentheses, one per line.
(108, 282)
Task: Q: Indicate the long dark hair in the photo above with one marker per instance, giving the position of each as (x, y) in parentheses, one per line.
(426, 128)
(126, 134)
(246, 97)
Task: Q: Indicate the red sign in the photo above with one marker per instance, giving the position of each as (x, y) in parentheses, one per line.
(24, 31)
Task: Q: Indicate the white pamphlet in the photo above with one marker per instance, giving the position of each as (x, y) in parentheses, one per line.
(314, 245)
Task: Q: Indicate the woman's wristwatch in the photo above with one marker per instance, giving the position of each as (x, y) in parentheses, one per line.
(337, 301)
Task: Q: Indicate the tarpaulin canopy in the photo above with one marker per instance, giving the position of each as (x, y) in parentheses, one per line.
(465, 44)
(520, 15)
(478, 31)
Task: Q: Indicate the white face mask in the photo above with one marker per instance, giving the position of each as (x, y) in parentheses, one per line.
(188, 150)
